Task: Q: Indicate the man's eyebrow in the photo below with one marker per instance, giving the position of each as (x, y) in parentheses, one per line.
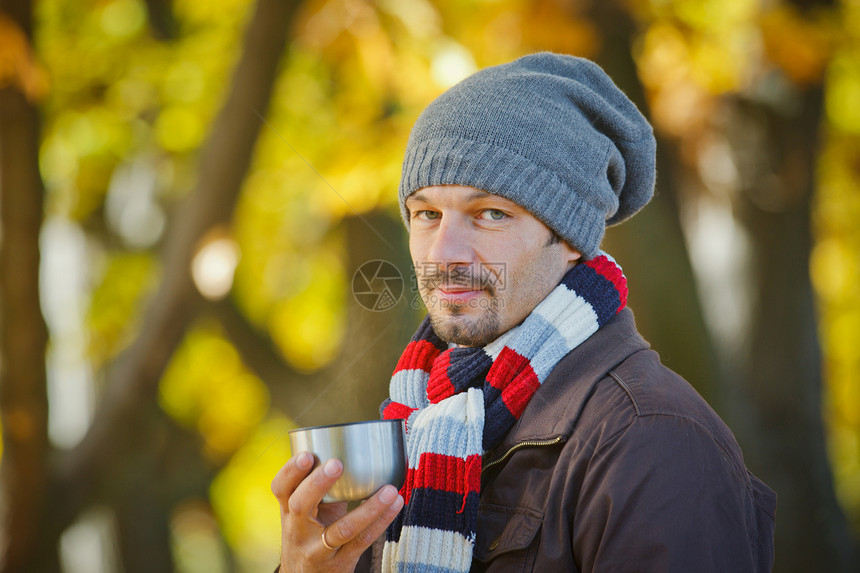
(417, 196)
(478, 194)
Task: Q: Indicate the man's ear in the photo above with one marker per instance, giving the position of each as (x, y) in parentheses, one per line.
(573, 256)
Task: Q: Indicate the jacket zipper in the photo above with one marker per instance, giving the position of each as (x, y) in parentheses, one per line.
(520, 445)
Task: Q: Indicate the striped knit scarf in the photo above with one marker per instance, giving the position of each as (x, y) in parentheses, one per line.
(460, 402)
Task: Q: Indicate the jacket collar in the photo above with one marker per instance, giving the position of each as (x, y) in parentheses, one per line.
(556, 406)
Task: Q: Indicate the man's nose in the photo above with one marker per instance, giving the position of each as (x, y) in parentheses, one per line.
(451, 244)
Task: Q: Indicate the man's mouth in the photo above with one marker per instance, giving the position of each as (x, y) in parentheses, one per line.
(454, 288)
(457, 295)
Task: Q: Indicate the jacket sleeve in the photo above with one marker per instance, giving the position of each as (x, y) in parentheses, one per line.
(662, 495)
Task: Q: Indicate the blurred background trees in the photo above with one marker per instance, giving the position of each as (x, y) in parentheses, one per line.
(190, 190)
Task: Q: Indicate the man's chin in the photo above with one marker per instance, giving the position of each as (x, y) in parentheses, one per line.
(463, 331)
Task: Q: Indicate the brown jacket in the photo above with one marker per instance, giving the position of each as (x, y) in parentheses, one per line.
(618, 465)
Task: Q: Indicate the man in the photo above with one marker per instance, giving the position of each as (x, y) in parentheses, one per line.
(542, 432)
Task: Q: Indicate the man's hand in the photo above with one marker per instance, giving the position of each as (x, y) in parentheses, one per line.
(324, 537)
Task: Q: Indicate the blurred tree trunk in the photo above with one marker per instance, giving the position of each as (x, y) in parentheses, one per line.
(124, 423)
(352, 387)
(223, 163)
(651, 247)
(23, 333)
(781, 375)
(374, 338)
(170, 470)
(143, 514)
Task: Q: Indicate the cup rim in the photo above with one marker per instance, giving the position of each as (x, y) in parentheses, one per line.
(360, 423)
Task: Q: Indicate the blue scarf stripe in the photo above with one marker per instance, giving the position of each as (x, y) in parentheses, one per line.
(436, 518)
(440, 510)
(491, 394)
(496, 424)
(466, 365)
(395, 528)
(604, 297)
(425, 332)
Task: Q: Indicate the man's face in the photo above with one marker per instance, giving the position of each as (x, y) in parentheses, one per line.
(482, 262)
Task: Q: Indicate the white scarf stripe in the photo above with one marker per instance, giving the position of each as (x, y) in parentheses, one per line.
(410, 387)
(410, 421)
(452, 427)
(545, 359)
(421, 545)
(574, 312)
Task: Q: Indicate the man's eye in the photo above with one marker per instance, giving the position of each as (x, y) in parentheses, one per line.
(493, 214)
(425, 214)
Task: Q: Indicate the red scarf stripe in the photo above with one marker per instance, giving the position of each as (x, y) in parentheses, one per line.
(611, 272)
(396, 410)
(440, 386)
(505, 368)
(418, 355)
(444, 473)
(518, 393)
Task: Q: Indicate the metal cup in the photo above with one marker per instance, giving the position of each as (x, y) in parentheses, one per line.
(373, 454)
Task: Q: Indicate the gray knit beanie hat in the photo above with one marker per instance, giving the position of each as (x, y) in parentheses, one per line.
(551, 133)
